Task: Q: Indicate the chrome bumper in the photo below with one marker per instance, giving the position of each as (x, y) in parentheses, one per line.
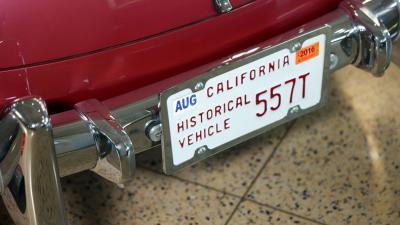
(35, 153)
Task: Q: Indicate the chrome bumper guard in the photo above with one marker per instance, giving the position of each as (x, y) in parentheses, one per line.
(34, 154)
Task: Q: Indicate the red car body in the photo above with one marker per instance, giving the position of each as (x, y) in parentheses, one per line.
(111, 71)
(69, 51)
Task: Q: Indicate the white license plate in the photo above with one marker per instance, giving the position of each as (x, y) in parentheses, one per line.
(236, 102)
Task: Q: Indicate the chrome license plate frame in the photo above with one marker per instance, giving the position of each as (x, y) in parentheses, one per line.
(170, 167)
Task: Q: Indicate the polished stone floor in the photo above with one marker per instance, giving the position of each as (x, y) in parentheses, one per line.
(338, 165)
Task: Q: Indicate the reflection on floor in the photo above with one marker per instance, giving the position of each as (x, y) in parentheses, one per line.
(339, 165)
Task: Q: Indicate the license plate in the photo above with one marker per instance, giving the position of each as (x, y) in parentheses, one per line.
(235, 102)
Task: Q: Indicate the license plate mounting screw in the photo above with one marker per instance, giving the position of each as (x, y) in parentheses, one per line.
(201, 150)
(294, 109)
(199, 86)
(296, 47)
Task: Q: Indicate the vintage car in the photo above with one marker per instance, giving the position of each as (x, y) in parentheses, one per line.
(88, 85)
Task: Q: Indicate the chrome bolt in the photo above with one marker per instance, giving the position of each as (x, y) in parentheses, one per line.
(296, 47)
(154, 130)
(294, 110)
(201, 150)
(334, 60)
(223, 6)
(199, 86)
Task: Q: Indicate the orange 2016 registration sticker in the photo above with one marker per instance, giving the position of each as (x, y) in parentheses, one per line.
(307, 53)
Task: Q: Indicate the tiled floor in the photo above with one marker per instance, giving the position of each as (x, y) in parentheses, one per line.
(339, 165)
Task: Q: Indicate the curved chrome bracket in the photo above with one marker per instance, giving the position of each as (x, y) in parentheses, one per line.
(10, 141)
(376, 32)
(33, 194)
(114, 147)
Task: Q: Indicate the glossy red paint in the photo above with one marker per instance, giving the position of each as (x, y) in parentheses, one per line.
(133, 65)
(43, 30)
